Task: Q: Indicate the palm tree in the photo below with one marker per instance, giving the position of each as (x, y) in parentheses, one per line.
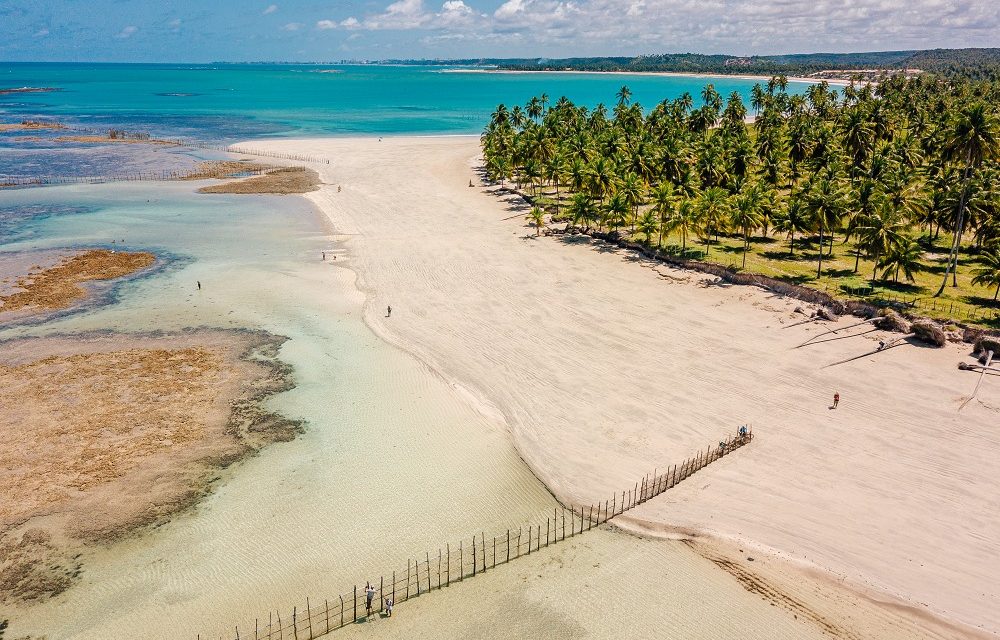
(581, 207)
(747, 216)
(616, 211)
(904, 255)
(648, 224)
(880, 233)
(713, 212)
(825, 203)
(537, 217)
(974, 139)
(663, 205)
(684, 219)
(792, 218)
(602, 178)
(989, 274)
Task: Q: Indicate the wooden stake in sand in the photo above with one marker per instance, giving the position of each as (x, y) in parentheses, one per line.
(989, 359)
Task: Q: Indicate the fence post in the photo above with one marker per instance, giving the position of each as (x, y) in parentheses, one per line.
(529, 539)
(341, 611)
(461, 562)
(295, 623)
(428, 558)
(381, 593)
(447, 574)
(270, 625)
(482, 540)
(590, 518)
(519, 542)
(439, 575)
(281, 631)
(473, 556)
(494, 553)
(564, 523)
(309, 617)
(508, 545)
(407, 578)
(355, 603)
(546, 531)
(614, 507)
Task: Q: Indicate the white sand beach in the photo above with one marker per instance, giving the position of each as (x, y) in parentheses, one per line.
(604, 367)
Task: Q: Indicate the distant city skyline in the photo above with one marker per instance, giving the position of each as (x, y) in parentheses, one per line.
(185, 31)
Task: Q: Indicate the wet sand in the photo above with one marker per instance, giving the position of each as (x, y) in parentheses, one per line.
(605, 366)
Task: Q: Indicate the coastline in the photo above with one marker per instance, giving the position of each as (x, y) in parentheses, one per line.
(679, 74)
(527, 439)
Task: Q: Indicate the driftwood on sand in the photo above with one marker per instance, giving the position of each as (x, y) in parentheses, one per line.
(989, 359)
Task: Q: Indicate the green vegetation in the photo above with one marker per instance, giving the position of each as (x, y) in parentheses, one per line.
(890, 190)
(979, 63)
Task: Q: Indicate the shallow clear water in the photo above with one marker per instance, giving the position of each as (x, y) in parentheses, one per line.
(393, 462)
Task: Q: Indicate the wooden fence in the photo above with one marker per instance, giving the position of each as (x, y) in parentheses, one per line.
(475, 555)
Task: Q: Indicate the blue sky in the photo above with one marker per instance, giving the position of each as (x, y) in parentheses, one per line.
(187, 31)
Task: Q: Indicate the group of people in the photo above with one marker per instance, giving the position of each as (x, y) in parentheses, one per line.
(370, 597)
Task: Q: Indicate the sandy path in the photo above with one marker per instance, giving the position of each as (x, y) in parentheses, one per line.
(605, 368)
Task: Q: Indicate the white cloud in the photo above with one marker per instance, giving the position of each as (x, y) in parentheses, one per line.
(41, 33)
(292, 26)
(589, 27)
(326, 24)
(127, 32)
(270, 9)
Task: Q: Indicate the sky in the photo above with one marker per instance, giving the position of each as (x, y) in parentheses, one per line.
(308, 30)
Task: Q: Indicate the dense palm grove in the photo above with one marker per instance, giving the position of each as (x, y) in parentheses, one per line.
(903, 174)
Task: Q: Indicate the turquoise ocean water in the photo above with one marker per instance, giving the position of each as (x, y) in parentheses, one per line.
(232, 101)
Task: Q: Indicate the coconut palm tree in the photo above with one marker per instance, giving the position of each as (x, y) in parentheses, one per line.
(581, 208)
(685, 220)
(537, 217)
(825, 202)
(648, 224)
(974, 139)
(792, 218)
(880, 232)
(747, 215)
(713, 212)
(988, 274)
(663, 200)
(903, 256)
(616, 211)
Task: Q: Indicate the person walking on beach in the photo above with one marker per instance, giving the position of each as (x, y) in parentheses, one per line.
(324, 255)
(388, 607)
(836, 399)
(388, 311)
(370, 593)
(199, 284)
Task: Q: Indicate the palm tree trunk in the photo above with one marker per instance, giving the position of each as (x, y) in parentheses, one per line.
(791, 244)
(819, 268)
(857, 257)
(959, 223)
(746, 247)
(875, 268)
(997, 293)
